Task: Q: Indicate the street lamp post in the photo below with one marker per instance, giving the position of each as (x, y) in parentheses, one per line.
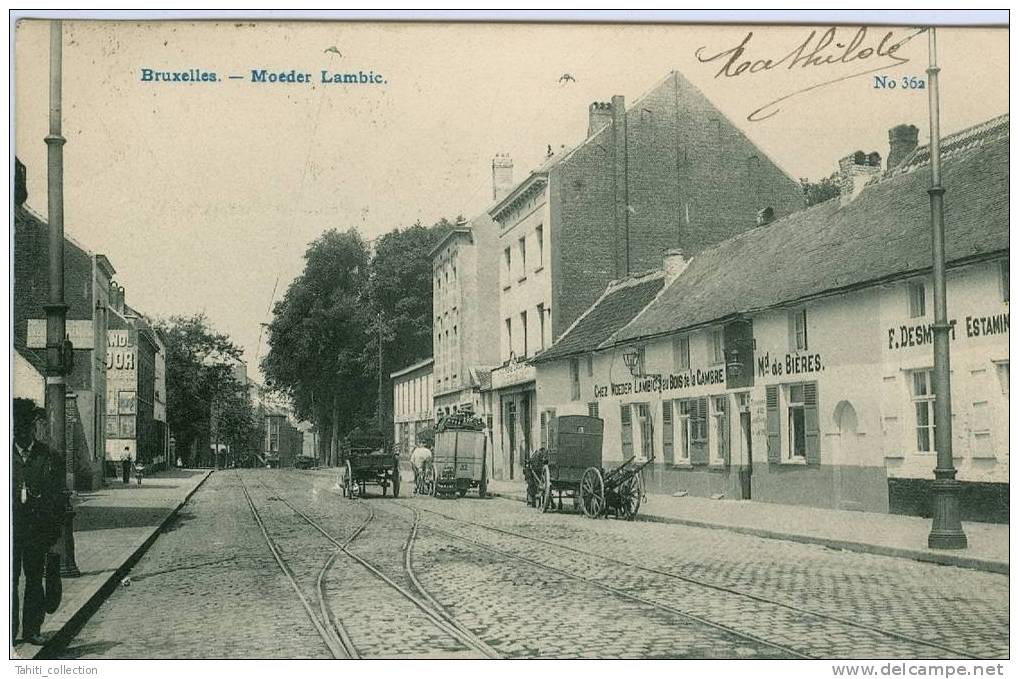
(946, 529)
(58, 351)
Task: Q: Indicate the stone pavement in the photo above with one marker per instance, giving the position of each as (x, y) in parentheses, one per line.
(113, 526)
(885, 534)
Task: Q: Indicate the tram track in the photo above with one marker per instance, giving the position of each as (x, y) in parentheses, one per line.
(422, 600)
(689, 580)
(621, 593)
(336, 642)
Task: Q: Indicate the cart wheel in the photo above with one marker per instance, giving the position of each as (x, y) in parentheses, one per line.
(592, 492)
(396, 482)
(348, 486)
(629, 498)
(545, 490)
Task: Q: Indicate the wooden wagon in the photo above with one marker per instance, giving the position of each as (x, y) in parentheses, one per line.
(369, 460)
(459, 461)
(572, 467)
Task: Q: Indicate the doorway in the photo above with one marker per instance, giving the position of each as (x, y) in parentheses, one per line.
(847, 425)
(746, 470)
(510, 427)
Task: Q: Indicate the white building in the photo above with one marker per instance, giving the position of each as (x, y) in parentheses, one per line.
(792, 363)
(412, 403)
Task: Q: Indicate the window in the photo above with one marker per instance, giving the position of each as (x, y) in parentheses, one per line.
(668, 433)
(720, 428)
(800, 440)
(522, 247)
(798, 330)
(575, 379)
(797, 423)
(1002, 369)
(523, 330)
(547, 426)
(541, 326)
(590, 365)
(647, 431)
(507, 267)
(917, 300)
(539, 236)
(592, 408)
(923, 405)
(509, 337)
(681, 353)
(626, 431)
(1003, 277)
(692, 426)
(717, 354)
(455, 347)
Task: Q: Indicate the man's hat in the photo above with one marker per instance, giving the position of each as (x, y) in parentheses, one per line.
(25, 411)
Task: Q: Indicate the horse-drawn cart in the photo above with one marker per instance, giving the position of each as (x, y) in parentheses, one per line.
(368, 460)
(572, 467)
(459, 459)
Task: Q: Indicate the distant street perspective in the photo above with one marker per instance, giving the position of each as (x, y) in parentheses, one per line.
(315, 575)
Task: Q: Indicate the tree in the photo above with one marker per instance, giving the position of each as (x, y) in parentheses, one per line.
(316, 339)
(199, 373)
(820, 191)
(399, 299)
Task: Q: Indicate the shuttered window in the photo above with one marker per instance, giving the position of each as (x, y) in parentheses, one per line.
(668, 432)
(720, 428)
(699, 431)
(774, 423)
(626, 431)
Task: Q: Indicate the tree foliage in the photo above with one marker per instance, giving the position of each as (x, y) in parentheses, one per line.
(325, 334)
(317, 331)
(199, 376)
(818, 192)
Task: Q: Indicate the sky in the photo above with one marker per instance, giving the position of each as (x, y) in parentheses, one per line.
(205, 195)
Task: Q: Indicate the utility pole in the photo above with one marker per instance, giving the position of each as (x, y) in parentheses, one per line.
(946, 529)
(378, 414)
(58, 350)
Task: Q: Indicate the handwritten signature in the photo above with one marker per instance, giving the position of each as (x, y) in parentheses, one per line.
(808, 54)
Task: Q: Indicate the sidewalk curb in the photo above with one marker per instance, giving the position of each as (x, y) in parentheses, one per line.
(73, 624)
(959, 561)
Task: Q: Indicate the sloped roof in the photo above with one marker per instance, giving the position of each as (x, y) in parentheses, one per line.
(621, 301)
(883, 233)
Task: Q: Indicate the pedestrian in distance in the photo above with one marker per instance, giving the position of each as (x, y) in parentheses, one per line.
(125, 466)
(37, 507)
(139, 470)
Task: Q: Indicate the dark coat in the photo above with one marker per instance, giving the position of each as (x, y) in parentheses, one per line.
(39, 517)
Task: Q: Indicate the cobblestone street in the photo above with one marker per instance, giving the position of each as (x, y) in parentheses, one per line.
(277, 564)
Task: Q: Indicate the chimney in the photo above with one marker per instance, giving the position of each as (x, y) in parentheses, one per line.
(620, 184)
(674, 262)
(855, 170)
(120, 298)
(765, 216)
(901, 142)
(502, 176)
(599, 114)
(20, 183)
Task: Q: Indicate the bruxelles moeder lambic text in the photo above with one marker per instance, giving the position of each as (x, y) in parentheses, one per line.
(262, 75)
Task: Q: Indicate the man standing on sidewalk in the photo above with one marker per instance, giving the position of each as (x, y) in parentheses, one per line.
(37, 502)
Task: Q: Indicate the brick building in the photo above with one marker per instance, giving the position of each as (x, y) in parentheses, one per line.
(792, 363)
(668, 172)
(87, 278)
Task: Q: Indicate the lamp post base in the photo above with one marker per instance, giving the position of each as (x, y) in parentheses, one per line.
(68, 565)
(946, 530)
